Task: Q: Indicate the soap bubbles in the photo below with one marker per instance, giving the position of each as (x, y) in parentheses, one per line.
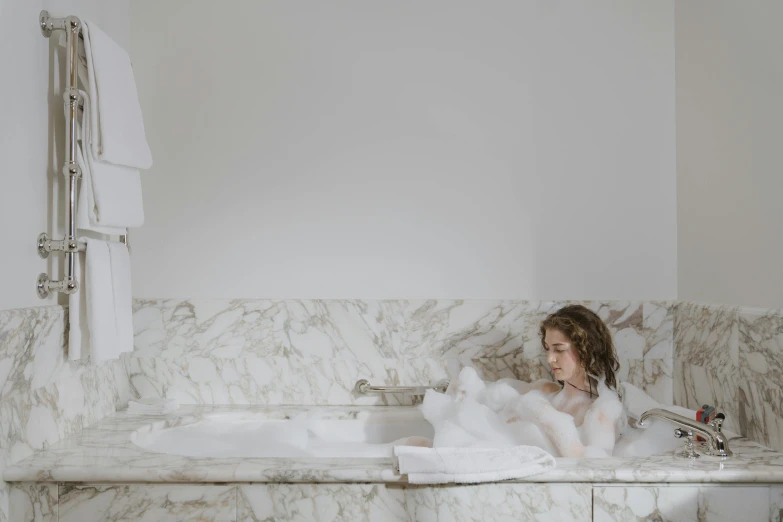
(474, 413)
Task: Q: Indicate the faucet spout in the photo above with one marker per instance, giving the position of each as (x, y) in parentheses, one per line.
(719, 445)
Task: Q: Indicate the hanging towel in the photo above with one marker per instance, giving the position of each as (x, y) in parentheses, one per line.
(110, 195)
(470, 465)
(78, 332)
(108, 300)
(115, 116)
(123, 302)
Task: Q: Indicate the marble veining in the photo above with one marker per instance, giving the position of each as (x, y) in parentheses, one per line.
(776, 504)
(503, 501)
(278, 380)
(706, 336)
(697, 385)
(115, 503)
(34, 502)
(32, 348)
(358, 330)
(313, 351)
(681, 504)
(105, 453)
(323, 502)
(325, 329)
(733, 358)
(761, 376)
(43, 396)
(706, 360)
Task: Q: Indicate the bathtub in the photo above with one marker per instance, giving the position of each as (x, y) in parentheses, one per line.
(319, 433)
(191, 465)
(315, 434)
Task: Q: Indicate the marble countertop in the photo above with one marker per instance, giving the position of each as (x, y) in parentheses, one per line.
(104, 452)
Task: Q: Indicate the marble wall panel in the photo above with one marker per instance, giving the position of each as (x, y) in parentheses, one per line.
(277, 351)
(33, 502)
(379, 503)
(733, 358)
(32, 348)
(761, 376)
(706, 359)
(322, 502)
(681, 504)
(43, 396)
(500, 502)
(150, 503)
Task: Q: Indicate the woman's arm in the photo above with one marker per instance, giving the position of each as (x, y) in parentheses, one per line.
(598, 427)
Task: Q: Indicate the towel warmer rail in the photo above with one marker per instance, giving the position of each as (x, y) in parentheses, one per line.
(71, 170)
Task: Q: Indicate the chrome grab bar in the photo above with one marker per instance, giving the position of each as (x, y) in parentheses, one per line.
(363, 387)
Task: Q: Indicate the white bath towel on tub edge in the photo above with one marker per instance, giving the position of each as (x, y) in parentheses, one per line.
(470, 465)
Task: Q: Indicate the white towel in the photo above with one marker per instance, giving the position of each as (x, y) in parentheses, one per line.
(78, 331)
(123, 300)
(110, 196)
(470, 465)
(152, 406)
(108, 300)
(116, 118)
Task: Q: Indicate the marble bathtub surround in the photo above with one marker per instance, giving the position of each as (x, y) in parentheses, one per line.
(101, 502)
(733, 358)
(392, 503)
(105, 453)
(761, 375)
(360, 330)
(32, 348)
(43, 396)
(313, 351)
(376, 503)
(37, 501)
(626, 504)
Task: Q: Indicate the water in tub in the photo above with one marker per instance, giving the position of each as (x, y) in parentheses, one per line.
(471, 414)
(314, 433)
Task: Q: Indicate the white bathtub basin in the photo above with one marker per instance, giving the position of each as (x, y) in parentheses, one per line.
(306, 434)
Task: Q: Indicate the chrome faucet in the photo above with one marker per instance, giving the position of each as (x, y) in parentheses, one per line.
(717, 443)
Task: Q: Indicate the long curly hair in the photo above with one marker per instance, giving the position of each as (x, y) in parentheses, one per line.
(591, 338)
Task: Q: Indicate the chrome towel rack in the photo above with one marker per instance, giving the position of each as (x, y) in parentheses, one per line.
(71, 170)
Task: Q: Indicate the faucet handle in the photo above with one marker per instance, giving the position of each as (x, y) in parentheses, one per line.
(689, 451)
(717, 422)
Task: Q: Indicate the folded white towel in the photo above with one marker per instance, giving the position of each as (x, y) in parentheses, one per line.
(152, 406)
(470, 465)
(116, 117)
(110, 197)
(108, 299)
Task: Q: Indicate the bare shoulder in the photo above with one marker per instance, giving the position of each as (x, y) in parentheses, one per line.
(546, 386)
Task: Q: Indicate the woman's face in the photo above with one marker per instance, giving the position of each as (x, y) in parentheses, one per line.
(561, 356)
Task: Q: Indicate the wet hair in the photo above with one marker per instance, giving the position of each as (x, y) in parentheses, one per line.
(590, 337)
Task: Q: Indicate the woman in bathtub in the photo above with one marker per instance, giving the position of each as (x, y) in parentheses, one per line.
(578, 416)
(581, 414)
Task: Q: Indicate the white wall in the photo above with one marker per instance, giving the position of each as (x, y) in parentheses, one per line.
(32, 136)
(515, 149)
(729, 159)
